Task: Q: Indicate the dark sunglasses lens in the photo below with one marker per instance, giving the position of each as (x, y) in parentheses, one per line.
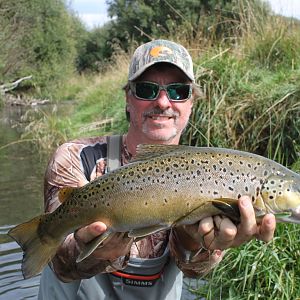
(146, 90)
(179, 92)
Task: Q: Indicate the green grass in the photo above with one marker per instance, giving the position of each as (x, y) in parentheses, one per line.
(105, 100)
(246, 107)
(258, 270)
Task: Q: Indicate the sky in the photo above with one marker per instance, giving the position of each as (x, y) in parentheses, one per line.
(94, 12)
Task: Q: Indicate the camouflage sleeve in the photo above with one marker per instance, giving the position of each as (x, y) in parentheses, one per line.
(64, 169)
(193, 265)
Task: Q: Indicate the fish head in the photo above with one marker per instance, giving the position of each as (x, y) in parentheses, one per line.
(281, 196)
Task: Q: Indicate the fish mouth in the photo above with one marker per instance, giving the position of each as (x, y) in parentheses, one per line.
(296, 215)
(291, 216)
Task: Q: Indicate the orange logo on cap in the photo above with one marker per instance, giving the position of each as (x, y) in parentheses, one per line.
(160, 51)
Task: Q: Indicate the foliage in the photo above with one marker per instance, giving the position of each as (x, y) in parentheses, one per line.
(36, 40)
(251, 102)
(137, 21)
(45, 129)
(246, 108)
(258, 271)
(141, 20)
(96, 49)
(101, 108)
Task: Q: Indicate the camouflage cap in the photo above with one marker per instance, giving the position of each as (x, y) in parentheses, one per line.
(158, 51)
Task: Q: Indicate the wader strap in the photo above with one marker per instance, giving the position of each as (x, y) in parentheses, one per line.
(114, 143)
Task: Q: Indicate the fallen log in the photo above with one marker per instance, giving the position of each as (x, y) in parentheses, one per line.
(10, 86)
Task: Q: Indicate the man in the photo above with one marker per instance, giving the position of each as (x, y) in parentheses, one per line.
(159, 99)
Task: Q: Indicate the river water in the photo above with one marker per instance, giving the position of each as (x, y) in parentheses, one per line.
(21, 198)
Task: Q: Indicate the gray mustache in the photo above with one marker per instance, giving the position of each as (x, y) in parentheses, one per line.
(158, 111)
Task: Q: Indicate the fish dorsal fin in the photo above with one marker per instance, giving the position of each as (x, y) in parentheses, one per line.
(147, 151)
(65, 193)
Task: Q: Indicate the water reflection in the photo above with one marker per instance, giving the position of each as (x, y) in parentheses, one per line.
(12, 284)
(21, 198)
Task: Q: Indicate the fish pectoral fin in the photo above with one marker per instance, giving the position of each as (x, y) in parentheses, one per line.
(92, 245)
(229, 207)
(142, 232)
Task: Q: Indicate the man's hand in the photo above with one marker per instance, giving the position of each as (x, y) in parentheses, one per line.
(116, 245)
(221, 233)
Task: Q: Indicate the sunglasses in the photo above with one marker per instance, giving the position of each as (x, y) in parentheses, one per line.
(149, 91)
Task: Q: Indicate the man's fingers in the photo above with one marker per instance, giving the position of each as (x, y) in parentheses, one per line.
(225, 233)
(206, 232)
(89, 232)
(267, 228)
(247, 229)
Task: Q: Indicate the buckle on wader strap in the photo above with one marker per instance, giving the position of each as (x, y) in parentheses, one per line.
(138, 280)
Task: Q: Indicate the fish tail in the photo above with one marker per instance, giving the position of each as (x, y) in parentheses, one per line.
(37, 252)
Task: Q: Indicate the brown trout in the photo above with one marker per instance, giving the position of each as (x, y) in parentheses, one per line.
(164, 186)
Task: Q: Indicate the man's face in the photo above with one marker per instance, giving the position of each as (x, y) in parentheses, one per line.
(160, 119)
